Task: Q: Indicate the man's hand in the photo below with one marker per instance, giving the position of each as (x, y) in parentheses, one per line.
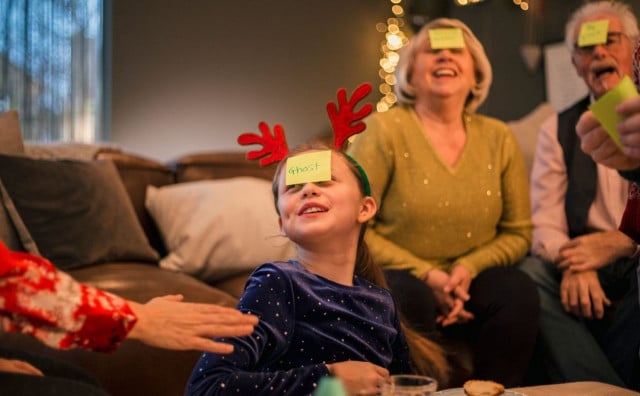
(581, 294)
(629, 127)
(597, 143)
(595, 250)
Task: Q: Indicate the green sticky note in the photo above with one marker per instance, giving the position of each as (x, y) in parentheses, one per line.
(330, 386)
(604, 108)
(594, 32)
(444, 38)
(308, 168)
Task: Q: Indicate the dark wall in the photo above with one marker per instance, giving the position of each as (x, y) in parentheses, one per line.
(192, 75)
(502, 27)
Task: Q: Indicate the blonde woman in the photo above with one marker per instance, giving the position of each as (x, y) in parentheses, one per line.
(454, 212)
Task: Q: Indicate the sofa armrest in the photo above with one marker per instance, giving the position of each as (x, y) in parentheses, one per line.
(68, 150)
(140, 282)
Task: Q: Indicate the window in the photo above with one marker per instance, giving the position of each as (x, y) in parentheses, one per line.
(51, 67)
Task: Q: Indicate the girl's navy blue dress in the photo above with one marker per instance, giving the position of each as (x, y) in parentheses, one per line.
(306, 321)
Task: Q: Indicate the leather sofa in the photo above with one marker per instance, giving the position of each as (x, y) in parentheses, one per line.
(135, 368)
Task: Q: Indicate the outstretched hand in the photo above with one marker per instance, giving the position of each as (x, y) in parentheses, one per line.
(167, 322)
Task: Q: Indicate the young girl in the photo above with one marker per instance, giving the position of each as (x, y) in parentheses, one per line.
(325, 313)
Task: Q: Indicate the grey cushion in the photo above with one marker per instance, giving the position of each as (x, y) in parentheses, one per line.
(10, 143)
(78, 212)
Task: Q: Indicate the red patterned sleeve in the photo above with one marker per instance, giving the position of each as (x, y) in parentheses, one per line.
(37, 299)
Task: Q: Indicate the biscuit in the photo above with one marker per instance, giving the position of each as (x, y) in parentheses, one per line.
(482, 388)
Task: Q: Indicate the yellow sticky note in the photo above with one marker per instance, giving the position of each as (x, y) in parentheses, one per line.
(604, 108)
(446, 38)
(594, 32)
(308, 168)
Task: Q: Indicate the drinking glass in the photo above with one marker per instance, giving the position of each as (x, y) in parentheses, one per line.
(409, 385)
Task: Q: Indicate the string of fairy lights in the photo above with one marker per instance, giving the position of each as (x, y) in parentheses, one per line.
(394, 40)
(523, 4)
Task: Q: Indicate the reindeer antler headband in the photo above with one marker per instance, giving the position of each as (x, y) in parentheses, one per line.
(345, 120)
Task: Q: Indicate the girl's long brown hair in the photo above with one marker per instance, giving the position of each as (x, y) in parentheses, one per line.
(427, 357)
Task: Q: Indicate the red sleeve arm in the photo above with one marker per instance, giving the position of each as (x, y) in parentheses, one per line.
(37, 299)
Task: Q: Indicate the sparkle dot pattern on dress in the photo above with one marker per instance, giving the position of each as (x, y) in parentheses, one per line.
(306, 321)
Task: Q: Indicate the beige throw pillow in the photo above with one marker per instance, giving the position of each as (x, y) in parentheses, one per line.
(526, 131)
(215, 229)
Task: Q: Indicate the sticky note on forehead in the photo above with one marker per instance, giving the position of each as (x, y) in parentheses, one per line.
(593, 33)
(308, 168)
(445, 38)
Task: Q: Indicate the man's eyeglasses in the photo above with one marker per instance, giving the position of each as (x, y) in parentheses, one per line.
(613, 43)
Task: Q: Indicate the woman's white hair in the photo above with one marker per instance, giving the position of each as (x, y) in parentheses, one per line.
(621, 10)
(406, 92)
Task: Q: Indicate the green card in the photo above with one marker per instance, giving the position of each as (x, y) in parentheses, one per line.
(594, 32)
(308, 168)
(604, 108)
(445, 38)
(330, 386)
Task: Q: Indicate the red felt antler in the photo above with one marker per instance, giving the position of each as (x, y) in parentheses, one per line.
(345, 121)
(274, 147)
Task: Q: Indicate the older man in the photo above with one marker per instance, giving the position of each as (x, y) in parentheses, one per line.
(581, 262)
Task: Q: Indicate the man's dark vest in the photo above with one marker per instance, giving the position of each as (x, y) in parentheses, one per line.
(582, 175)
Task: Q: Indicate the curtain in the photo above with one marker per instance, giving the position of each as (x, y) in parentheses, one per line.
(51, 68)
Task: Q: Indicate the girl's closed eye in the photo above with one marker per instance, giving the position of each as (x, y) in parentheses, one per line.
(296, 187)
(292, 187)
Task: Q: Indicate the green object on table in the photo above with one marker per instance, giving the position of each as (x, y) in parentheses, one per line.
(330, 386)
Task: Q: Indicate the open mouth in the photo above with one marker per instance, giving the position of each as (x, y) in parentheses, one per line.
(311, 209)
(604, 71)
(445, 73)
